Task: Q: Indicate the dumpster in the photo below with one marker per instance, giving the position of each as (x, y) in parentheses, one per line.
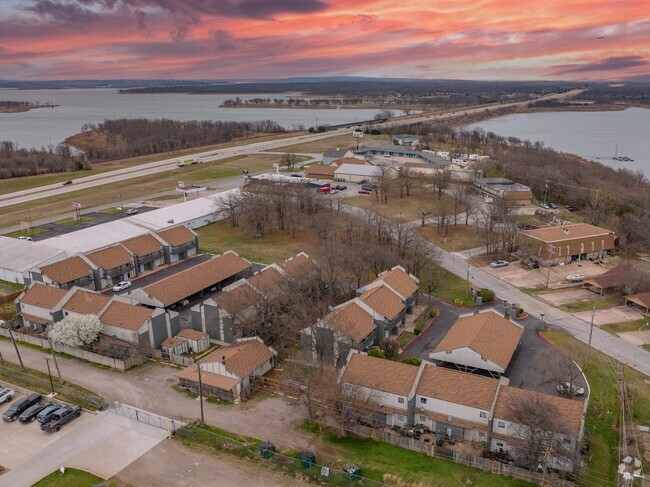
(267, 449)
(307, 458)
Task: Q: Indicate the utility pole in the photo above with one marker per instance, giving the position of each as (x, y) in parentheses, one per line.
(13, 340)
(591, 331)
(551, 251)
(56, 364)
(547, 455)
(467, 282)
(198, 366)
(49, 373)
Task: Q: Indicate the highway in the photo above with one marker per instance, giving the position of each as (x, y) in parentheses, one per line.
(118, 175)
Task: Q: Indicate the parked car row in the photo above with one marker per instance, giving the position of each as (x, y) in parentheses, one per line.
(52, 417)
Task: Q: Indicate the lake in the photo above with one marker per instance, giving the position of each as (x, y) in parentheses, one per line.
(592, 135)
(44, 126)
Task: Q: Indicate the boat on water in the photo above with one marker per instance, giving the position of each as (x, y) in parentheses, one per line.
(621, 158)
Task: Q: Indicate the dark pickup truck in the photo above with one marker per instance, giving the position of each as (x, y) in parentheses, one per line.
(17, 408)
(60, 417)
(29, 414)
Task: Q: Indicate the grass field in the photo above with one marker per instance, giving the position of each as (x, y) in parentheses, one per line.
(24, 233)
(71, 478)
(453, 289)
(626, 326)
(601, 431)
(69, 222)
(600, 303)
(201, 174)
(274, 247)
(377, 458)
(405, 338)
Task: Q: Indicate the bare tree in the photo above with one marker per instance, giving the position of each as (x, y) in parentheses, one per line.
(459, 194)
(561, 370)
(383, 181)
(289, 160)
(423, 213)
(440, 180)
(230, 206)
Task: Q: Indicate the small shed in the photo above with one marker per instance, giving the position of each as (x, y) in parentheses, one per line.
(197, 341)
(307, 458)
(176, 346)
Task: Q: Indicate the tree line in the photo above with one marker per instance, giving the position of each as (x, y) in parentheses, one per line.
(16, 162)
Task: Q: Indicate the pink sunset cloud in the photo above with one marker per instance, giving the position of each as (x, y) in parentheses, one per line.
(472, 39)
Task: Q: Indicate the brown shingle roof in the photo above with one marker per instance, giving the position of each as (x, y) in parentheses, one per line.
(383, 301)
(177, 235)
(208, 379)
(351, 160)
(242, 357)
(351, 320)
(642, 299)
(179, 286)
(494, 337)
(566, 232)
(611, 278)
(400, 281)
(43, 296)
(299, 265)
(570, 410)
(238, 299)
(124, 315)
(86, 302)
(380, 374)
(320, 171)
(172, 342)
(191, 334)
(266, 280)
(457, 387)
(110, 257)
(143, 245)
(36, 319)
(67, 270)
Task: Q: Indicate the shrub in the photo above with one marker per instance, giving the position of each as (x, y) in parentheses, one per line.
(412, 361)
(375, 352)
(487, 295)
(417, 330)
(390, 346)
(433, 312)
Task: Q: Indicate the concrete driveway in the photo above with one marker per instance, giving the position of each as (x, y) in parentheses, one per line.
(102, 443)
(519, 276)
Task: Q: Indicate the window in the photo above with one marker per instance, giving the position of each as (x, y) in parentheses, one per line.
(423, 400)
(501, 424)
(400, 400)
(499, 443)
(483, 414)
(401, 417)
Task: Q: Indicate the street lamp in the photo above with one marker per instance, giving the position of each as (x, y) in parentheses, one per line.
(542, 319)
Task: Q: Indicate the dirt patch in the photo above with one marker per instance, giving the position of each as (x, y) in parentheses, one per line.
(568, 296)
(617, 314)
(637, 338)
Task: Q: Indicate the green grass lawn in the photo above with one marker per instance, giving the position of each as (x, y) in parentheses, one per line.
(376, 459)
(601, 432)
(10, 287)
(25, 233)
(646, 346)
(71, 478)
(273, 247)
(453, 289)
(110, 211)
(405, 338)
(37, 381)
(625, 326)
(599, 303)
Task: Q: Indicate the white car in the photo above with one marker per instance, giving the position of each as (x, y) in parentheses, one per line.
(498, 263)
(121, 286)
(131, 211)
(576, 390)
(29, 239)
(575, 278)
(6, 394)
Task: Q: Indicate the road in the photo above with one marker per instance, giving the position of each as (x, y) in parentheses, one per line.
(118, 175)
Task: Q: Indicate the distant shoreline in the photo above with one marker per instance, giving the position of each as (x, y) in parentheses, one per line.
(26, 108)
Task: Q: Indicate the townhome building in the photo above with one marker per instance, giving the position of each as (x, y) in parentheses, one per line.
(179, 243)
(73, 271)
(40, 305)
(148, 252)
(404, 284)
(111, 265)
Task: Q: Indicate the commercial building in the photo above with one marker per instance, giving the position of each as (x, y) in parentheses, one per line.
(19, 256)
(519, 194)
(566, 243)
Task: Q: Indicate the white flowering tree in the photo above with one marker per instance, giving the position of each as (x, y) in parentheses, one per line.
(76, 330)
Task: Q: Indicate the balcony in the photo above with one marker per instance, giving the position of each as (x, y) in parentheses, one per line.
(179, 249)
(118, 271)
(149, 258)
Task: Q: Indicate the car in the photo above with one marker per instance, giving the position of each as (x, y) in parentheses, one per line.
(334, 191)
(363, 191)
(67, 183)
(335, 186)
(364, 181)
(570, 208)
(121, 286)
(498, 263)
(324, 190)
(552, 206)
(6, 394)
(131, 211)
(60, 417)
(296, 175)
(368, 187)
(29, 414)
(576, 390)
(45, 414)
(29, 239)
(545, 206)
(17, 408)
(342, 187)
(575, 278)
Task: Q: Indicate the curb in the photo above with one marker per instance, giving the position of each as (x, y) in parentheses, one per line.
(546, 341)
(418, 336)
(522, 317)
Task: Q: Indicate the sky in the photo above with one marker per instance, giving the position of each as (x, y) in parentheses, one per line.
(267, 39)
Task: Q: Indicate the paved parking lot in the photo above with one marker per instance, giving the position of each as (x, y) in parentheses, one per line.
(519, 276)
(103, 443)
(617, 314)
